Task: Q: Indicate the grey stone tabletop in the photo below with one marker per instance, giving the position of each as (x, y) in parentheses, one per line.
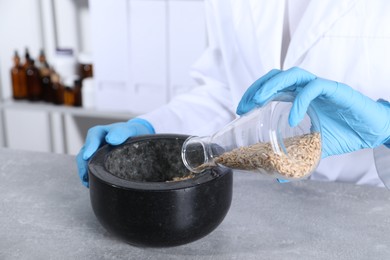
(45, 213)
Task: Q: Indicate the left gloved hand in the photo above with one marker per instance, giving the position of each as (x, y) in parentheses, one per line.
(349, 120)
(113, 134)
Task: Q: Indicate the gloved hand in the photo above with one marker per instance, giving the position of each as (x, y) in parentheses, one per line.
(113, 134)
(349, 120)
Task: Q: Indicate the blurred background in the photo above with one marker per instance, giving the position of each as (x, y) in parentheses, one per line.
(67, 65)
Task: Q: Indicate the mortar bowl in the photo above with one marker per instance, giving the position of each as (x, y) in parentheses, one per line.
(141, 192)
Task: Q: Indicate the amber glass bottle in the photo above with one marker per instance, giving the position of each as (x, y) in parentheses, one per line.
(46, 85)
(42, 60)
(85, 65)
(72, 91)
(44, 72)
(57, 89)
(77, 93)
(27, 59)
(69, 92)
(18, 76)
(34, 86)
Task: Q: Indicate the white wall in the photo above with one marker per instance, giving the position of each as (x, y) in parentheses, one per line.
(20, 28)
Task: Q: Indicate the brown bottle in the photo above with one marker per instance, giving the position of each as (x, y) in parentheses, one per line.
(69, 92)
(42, 62)
(18, 76)
(34, 86)
(27, 59)
(72, 91)
(44, 72)
(57, 89)
(85, 66)
(77, 93)
(86, 70)
(46, 86)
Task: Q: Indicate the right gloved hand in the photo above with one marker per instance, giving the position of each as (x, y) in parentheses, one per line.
(113, 134)
(350, 120)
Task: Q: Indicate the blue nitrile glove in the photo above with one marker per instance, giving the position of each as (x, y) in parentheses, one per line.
(349, 120)
(113, 134)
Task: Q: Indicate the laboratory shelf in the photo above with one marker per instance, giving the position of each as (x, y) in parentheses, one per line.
(40, 126)
(68, 110)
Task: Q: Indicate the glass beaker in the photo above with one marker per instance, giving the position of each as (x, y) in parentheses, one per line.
(261, 141)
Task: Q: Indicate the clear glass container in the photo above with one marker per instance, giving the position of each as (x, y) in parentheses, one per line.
(261, 141)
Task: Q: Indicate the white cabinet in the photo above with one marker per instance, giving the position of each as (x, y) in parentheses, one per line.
(109, 45)
(27, 130)
(187, 40)
(148, 71)
(48, 128)
(151, 46)
(76, 127)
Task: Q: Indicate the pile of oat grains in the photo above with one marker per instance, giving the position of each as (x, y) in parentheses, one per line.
(303, 154)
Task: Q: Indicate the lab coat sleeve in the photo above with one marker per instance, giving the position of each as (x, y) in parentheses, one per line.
(209, 106)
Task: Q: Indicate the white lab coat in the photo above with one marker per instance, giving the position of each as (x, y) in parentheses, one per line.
(343, 40)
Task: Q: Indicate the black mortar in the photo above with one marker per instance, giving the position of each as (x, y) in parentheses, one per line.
(133, 195)
(152, 160)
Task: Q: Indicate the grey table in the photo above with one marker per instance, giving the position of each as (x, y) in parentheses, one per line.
(45, 213)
